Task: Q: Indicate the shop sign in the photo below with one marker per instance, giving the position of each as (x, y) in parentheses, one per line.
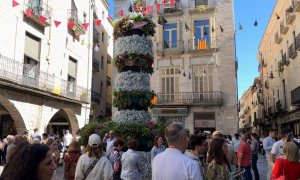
(205, 123)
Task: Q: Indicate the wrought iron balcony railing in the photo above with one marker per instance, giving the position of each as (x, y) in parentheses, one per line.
(200, 6)
(292, 51)
(169, 9)
(38, 8)
(28, 76)
(189, 98)
(73, 17)
(171, 47)
(202, 44)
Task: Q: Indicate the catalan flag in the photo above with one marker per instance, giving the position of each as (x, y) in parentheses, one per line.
(202, 43)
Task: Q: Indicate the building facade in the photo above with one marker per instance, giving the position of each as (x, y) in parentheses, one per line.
(195, 66)
(45, 66)
(279, 62)
(101, 76)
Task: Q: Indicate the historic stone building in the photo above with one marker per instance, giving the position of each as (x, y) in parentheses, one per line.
(279, 64)
(46, 58)
(195, 65)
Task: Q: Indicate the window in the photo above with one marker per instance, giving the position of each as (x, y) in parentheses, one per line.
(201, 34)
(170, 35)
(72, 75)
(203, 81)
(101, 87)
(169, 83)
(201, 2)
(102, 37)
(102, 62)
(108, 59)
(103, 14)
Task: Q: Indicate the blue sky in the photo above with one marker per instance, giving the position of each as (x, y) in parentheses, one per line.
(248, 39)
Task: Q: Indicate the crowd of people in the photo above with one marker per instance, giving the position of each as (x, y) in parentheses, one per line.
(200, 156)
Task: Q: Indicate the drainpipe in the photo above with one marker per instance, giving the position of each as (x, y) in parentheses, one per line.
(88, 70)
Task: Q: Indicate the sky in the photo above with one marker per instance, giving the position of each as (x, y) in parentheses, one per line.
(247, 39)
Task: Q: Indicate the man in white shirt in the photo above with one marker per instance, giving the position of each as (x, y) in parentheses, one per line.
(277, 148)
(110, 142)
(68, 138)
(236, 143)
(172, 163)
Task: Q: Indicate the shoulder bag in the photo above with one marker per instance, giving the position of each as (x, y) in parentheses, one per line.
(90, 168)
(282, 175)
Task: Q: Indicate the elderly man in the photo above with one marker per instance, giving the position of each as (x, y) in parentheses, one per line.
(172, 163)
(110, 142)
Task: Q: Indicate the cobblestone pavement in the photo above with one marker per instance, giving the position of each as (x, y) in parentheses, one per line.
(261, 165)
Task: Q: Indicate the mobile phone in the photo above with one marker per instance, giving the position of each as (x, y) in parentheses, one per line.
(238, 173)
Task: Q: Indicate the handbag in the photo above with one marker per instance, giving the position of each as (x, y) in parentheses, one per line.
(90, 168)
(282, 176)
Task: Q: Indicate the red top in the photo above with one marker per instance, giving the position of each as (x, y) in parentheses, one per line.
(245, 149)
(291, 169)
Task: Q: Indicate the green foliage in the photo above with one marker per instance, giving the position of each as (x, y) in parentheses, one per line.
(93, 127)
(142, 62)
(131, 99)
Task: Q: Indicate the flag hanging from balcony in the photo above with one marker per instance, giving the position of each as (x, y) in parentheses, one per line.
(71, 25)
(85, 25)
(109, 18)
(157, 8)
(28, 12)
(98, 22)
(202, 43)
(15, 3)
(121, 12)
(57, 23)
(42, 19)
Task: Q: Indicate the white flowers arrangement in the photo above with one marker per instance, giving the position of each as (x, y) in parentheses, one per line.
(132, 115)
(132, 81)
(134, 43)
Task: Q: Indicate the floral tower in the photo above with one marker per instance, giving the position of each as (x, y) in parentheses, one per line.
(133, 60)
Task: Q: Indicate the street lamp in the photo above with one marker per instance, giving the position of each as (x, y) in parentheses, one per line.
(271, 75)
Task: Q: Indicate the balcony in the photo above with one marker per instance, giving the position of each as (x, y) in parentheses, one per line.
(38, 8)
(96, 97)
(292, 51)
(25, 76)
(96, 65)
(297, 42)
(171, 48)
(190, 98)
(290, 17)
(278, 38)
(283, 28)
(202, 45)
(200, 6)
(280, 108)
(96, 37)
(73, 18)
(169, 10)
(295, 96)
(296, 4)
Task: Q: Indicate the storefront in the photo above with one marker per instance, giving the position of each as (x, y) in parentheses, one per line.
(170, 114)
(7, 126)
(204, 122)
(292, 122)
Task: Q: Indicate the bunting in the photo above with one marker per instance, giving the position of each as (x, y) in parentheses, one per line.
(28, 12)
(85, 25)
(57, 23)
(121, 12)
(42, 19)
(157, 8)
(15, 3)
(71, 25)
(98, 22)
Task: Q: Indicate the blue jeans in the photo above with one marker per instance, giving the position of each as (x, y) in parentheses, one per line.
(254, 166)
(247, 174)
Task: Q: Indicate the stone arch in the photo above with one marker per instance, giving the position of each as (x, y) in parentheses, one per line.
(14, 113)
(70, 116)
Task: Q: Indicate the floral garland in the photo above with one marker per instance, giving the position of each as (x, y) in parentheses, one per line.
(134, 43)
(132, 115)
(128, 81)
(139, 100)
(135, 21)
(138, 62)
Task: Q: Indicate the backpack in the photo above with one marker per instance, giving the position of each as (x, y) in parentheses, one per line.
(71, 169)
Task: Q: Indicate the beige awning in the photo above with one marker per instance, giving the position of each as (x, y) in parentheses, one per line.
(32, 48)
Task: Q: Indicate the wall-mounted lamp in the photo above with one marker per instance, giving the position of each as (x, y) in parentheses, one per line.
(271, 75)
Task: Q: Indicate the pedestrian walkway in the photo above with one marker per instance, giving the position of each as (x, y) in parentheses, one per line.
(261, 165)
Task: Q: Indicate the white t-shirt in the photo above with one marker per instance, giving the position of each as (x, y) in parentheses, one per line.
(277, 149)
(173, 164)
(236, 144)
(68, 138)
(102, 170)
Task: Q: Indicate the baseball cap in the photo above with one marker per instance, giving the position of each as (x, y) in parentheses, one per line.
(94, 140)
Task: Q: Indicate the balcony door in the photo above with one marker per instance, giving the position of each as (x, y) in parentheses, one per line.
(203, 82)
(201, 34)
(169, 84)
(170, 35)
(72, 75)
